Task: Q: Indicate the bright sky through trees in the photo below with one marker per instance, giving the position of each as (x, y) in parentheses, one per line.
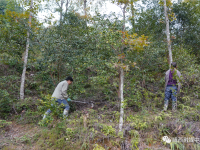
(106, 8)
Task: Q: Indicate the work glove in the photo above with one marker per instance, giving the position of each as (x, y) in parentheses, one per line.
(69, 99)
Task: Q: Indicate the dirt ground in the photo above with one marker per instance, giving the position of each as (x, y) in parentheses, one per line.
(16, 136)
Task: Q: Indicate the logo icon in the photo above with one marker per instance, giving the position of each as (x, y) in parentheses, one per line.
(166, 139)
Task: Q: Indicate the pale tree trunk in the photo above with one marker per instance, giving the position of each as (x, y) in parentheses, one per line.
(132, 15)
(85, 5)
(85, 11)
(168, 33)
(67, 5)
(122, 99)
(61, 10)
(121, 86)
(26, 56)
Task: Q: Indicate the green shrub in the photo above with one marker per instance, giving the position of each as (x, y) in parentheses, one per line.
(5, 103)
(108, 130)
(3, 125)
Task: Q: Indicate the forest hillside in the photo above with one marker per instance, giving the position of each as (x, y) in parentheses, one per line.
(118, 62)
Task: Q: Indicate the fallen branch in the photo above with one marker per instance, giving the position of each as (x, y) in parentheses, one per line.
(14, 110)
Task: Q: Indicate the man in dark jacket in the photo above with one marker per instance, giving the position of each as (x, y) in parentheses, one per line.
(172, 86)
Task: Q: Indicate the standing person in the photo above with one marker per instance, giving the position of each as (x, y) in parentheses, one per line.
(172, 86)
(61, 97)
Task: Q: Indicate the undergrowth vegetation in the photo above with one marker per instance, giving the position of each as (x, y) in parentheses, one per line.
(91, 55)
(97, 128)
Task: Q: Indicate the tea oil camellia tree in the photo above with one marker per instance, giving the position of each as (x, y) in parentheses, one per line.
(168, 32)
(66, 51)
(129, 41)
(118, 44)
(168, 3)
(187, 16)
(17, 23)
(26, 54)
(33, 9)
(12, 33)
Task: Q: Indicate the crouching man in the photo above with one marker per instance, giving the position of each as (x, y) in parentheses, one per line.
(61, 97)
(172, 86)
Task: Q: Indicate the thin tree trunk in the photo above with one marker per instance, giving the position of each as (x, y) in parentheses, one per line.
(85, 4)
(122, 99)
(168, 33)
(67, 5)
(121, 86)
(26, 56)
(85, 12)
(61, 10)
(132, 16)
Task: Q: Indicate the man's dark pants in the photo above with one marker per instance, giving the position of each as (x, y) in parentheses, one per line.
(170, 92)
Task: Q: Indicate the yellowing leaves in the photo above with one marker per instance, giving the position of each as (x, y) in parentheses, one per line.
(172, 16)
(124, 1)
(135, 42)
(133, 64)
(122, 65)
(126, 67)
(121, 56)
(168, 2)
